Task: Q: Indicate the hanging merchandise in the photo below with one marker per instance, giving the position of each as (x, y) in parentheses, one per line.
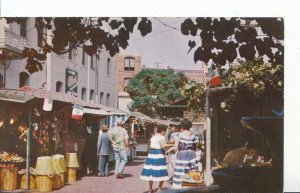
(1, 121)
(22, 129)
(77, 112)
(48, 104)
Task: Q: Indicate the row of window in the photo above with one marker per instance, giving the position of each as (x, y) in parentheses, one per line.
(40, 43)
(24, 81)
(93, 97)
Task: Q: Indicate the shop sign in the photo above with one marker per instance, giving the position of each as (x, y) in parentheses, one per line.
(71, 82)
(48, 103)
(77, 112)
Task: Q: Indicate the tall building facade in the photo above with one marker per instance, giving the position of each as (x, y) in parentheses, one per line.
(128, 66)
(92, 79)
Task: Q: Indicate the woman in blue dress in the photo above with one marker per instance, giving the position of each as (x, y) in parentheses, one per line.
(186, 159)
(155, 168)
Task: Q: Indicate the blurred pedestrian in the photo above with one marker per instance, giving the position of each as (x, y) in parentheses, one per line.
(119, 139)
(103, 148)
(155, 168)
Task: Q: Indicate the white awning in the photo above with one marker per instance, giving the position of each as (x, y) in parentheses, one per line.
(95, 111)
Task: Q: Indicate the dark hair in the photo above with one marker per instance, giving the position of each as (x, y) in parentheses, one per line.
(186, 124)
(161, 128)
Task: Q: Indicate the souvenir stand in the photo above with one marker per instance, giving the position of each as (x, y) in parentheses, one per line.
(241, 155)
(36, 121)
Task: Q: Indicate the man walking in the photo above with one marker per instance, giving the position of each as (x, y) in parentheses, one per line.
(103, 148)
(119, 139)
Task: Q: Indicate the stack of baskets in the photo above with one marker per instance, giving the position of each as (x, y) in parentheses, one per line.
(32, 179)
(8, 178)
(44, 174)
(60, 169)
(72, 166)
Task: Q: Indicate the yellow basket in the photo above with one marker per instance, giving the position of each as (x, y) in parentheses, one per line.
(62, 178)
(44, 166)
(8, 179)
(71, 175)
(71, 160)
(32, 182)
(44, 183)
(56, 183)
(59, 164)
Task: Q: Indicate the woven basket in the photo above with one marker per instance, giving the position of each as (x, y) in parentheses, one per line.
(32, 182)
(56, 183)
(8, 179)
(59, 164)
(44, 183)
(62, 178)
(44, 166)
(71, 175)
(71, 160)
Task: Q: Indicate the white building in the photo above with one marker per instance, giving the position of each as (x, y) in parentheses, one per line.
(75, 73)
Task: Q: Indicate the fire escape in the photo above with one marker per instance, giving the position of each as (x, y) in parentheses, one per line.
(11, 48)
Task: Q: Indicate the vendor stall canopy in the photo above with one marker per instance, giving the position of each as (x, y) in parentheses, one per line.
(26, 94)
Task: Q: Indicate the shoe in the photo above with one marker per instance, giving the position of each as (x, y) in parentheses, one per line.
(119, 176)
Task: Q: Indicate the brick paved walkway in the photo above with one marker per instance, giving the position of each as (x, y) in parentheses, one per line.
(130, 184)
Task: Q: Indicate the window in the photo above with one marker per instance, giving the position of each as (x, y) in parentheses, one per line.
(40, 32)
(1, 81)
(101, 97)
(59, 86)
(92, 95)
(126, 81)
(83, 93)
(83, 55)
(93, 61)
(24, 79)
(129, 63)
(108, 67)
(23, 28)
(108, 99)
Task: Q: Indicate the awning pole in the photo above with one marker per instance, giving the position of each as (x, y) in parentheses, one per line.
(208, 177)
(28, 149)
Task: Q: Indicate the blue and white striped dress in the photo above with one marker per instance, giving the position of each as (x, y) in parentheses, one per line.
(155, 168)
(186, 158)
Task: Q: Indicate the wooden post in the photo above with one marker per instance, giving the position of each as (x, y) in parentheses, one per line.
(28, 148)
(207, 177)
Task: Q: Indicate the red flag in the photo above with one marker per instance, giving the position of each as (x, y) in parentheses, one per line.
(77, 112)
(215, 79)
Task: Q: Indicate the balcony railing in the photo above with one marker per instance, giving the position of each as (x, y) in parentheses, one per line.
(11, 44)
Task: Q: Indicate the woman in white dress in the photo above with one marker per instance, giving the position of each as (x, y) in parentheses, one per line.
(155, 168)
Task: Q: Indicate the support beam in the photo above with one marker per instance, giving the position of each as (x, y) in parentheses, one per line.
(208, 176)
(28, 148)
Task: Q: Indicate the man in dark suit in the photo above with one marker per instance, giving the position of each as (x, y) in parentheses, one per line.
(103, 148)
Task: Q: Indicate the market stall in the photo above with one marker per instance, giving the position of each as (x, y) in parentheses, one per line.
(37, 121)
(255, 172)
(227, 140)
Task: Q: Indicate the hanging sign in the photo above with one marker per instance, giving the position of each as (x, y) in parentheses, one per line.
(71, 82)
(48, 104)
(77, 112)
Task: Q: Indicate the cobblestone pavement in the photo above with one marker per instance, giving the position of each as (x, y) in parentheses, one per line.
(130, 184)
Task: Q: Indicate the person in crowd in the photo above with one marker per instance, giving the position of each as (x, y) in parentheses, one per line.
(103, 148)
(119, 139)
(90, 149)
(175, 131)
(199, 156)
(155, 168)
(186, 156)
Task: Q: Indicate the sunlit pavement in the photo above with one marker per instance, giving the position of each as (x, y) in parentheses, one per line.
(130, 184)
